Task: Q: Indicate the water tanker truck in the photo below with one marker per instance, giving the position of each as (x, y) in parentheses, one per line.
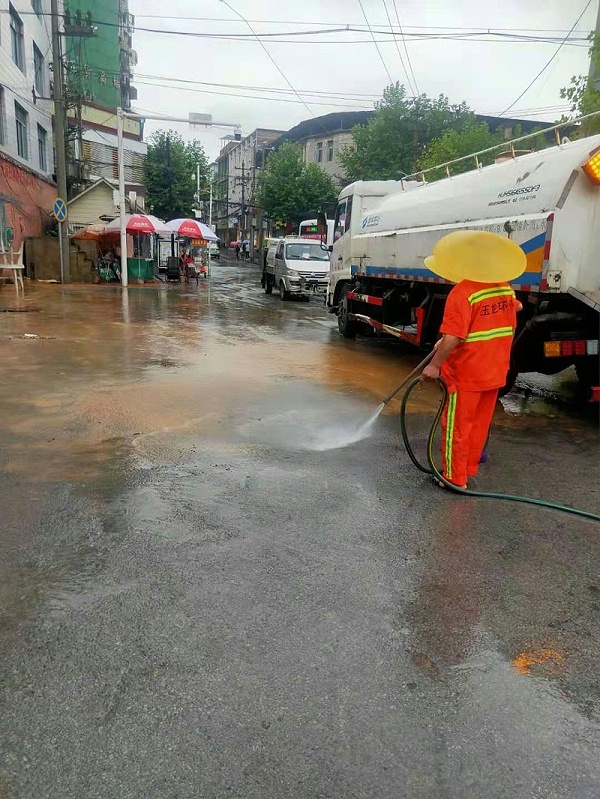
(546, 201)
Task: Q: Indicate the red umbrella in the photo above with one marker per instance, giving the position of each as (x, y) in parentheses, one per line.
(191, 229)
(139, 223)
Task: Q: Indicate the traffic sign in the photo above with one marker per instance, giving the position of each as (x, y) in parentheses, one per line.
(60, 209)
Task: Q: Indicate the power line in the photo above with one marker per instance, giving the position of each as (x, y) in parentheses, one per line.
(460, 34)
(271, 59)
(255, 97)
(550, 60)
(375, 41)
(397, 46)
(313, 92)
(405, 47)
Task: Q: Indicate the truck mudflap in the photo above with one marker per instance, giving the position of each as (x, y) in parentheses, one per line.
(411, 334)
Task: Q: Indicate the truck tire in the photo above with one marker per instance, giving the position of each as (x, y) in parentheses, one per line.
(282, 292)
(347, 327)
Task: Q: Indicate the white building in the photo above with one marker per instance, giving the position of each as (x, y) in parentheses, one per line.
(235, 175)
(26, 154)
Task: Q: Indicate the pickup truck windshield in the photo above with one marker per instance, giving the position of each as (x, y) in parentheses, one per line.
(306, 252)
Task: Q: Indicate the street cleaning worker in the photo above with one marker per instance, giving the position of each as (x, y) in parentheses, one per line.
(473, 355)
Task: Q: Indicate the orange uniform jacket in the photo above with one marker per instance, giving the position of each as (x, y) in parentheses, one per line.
(483, 316)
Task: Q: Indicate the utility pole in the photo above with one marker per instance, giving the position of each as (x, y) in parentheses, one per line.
(122, 209)
(198, 187)
(59, 136)
(243, 208)
(593, 71)
(169, 175)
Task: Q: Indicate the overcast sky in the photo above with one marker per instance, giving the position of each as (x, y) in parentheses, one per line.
(346, 68)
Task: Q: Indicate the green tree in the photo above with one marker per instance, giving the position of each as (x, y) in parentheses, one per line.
(391, 143)
(583, 93)
(472, 137)
(290, 190)
(171, 174)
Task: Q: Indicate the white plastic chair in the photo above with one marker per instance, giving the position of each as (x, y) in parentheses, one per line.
(13, 260)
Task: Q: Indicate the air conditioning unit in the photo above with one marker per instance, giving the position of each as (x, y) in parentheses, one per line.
(88, 97)
(133, 58)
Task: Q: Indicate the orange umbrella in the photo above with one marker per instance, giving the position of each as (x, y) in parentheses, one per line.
(90, 233)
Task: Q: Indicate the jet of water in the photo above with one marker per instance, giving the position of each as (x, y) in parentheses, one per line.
(336, 438)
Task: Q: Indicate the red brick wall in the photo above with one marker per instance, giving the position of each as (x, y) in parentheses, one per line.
(28, 200)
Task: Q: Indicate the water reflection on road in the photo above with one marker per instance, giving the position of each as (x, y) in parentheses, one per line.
(185, 572)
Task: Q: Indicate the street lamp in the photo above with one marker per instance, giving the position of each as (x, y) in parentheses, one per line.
(203, 120)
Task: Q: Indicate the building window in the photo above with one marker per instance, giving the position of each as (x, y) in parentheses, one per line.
(38, 70)
(37, 7)
(2, 117)
(21, 121)
(16, 38)
(330, 150)
(42, 148)
(319, 152)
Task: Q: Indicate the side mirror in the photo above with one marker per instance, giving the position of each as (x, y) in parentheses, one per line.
(322, 224)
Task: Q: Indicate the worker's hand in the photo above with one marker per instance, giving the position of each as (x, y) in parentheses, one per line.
(430, 372)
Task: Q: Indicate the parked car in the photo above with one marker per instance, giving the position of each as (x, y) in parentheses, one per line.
(296, 267)
(214, 250)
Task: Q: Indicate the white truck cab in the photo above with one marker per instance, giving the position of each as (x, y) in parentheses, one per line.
(351, 216)
(298, 267)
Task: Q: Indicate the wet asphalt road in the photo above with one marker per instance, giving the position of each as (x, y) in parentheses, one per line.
(197, 602)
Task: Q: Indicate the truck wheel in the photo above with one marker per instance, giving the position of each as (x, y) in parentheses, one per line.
(282, 292)
(347, 327)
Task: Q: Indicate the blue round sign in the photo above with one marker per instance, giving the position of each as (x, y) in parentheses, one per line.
(59, 210)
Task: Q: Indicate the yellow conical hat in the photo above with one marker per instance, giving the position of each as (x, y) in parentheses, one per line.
(477, 255)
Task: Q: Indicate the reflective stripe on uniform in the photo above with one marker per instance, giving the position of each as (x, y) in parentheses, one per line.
(488, 335)
(487, 294)
(450, 432)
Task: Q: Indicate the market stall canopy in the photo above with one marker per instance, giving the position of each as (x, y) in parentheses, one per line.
(90, 233)
(191, 229)
(139, 223)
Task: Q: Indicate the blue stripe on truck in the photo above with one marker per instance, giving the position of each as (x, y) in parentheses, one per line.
(527, 278)
(533, 244)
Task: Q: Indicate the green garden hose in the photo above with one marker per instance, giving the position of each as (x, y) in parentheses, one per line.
(432, 469)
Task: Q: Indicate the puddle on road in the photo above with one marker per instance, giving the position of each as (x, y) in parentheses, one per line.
(151, 367)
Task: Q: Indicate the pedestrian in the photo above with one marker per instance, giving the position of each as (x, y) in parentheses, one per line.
(473, 355)
(237, 251)
(247, 250)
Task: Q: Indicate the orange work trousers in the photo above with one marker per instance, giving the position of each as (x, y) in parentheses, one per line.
(465, 425)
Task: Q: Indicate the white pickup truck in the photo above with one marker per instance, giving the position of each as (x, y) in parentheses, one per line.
(296, 267)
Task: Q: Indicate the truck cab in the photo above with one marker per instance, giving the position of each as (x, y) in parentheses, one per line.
(352, 214)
